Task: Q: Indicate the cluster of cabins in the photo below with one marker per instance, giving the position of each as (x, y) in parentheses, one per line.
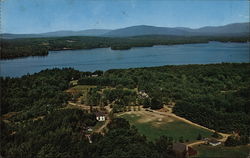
(143, 94)
(181, 150)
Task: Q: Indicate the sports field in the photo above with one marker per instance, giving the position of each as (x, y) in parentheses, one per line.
(153, 126)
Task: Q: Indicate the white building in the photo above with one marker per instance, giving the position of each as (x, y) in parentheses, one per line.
(100, 116)
(212, 142)
(142, 94)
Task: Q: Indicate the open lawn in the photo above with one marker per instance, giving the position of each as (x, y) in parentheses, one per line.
(205, 151)
(153, 126)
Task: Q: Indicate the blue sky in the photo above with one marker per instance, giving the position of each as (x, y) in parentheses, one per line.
(37, 16)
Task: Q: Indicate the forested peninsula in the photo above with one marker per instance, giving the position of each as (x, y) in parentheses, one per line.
(24, 47)
(37, 121)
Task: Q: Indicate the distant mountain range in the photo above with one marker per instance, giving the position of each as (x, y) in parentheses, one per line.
(90, 32)
(235, 29)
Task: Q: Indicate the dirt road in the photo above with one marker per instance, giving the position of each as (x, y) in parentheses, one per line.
(82, 106)
(169, 114)
(86, 107)
(101, 129)
(154, 113)
(196, 143)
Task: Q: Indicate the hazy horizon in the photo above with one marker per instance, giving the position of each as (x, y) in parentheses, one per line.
(35, 16)
(120, 28)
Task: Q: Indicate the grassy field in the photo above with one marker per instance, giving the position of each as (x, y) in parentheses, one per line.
(154, 125)
(205, 151)
(82, 89)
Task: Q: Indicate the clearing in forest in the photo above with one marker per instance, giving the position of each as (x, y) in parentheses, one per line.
(81, 90)
(153, 125)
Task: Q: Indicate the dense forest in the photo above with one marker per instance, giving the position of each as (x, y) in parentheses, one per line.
(13, 48)
(35, 122)
(60, 134)
(215, 96)
(36, 93)
(39, 125)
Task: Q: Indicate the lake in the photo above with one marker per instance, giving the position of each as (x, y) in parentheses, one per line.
(105, 58)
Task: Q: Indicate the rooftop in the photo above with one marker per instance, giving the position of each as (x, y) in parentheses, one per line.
(179, 147)
(99, 114)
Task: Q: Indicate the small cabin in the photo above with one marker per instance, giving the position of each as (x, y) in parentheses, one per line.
(180, 150)
(214, 142)
(89, 129)
(100, 116)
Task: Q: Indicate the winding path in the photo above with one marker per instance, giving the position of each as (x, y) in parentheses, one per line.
(101, 129)
(82, 106)
(107, 121)
(86, 107)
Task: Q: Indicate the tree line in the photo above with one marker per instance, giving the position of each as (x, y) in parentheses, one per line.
(14, 48)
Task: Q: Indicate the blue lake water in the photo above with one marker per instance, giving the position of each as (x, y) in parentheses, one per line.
(105, 58)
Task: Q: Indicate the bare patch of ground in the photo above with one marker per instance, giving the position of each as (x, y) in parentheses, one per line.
(155, 118)
(8, 115)
(149, 117)
(38, 118)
